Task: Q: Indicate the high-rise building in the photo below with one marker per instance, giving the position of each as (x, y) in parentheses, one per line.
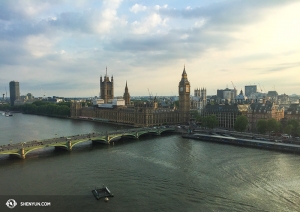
(106, 88)
(249, 89)
(14, 91)
(184, 97)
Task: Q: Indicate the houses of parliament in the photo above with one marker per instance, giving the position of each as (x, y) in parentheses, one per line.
(143, 114)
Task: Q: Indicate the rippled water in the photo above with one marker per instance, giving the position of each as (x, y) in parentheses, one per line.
(158, 173)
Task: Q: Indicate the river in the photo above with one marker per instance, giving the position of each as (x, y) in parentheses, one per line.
(158, 173)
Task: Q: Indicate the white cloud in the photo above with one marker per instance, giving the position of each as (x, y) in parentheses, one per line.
(149, 23)
(157, 7)
(106, 19)
(138, 8)
(200, 23)
(39, 45)
(250, 40)
(184, 37)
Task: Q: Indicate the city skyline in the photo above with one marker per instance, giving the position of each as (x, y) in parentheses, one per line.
(62, 48)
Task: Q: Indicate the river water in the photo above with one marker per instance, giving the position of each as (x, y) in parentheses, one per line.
(158, 173)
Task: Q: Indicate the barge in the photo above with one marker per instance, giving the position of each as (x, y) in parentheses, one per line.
(102, 193)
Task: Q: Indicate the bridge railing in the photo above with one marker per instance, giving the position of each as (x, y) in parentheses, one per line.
(88, 135)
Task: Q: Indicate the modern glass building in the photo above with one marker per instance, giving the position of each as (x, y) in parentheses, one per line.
(14, 91)
(249, 89)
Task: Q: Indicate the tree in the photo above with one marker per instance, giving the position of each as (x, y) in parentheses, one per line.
(241, 123)
(261, 126)
(288, 129)
(210, 121)
(297, 131)
(295, 125)
(195, 114)
(272, 125)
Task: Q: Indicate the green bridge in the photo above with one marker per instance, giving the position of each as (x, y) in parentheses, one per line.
(67, 143)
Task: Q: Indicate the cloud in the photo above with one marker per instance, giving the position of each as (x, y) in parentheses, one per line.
(148, 24)
(226, 14)
(223, 40)
(281, 67)
(137, 8)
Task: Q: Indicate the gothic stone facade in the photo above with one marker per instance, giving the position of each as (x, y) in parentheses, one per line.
(143, 115)
(184, 98)
(139, 115)
(106, 88)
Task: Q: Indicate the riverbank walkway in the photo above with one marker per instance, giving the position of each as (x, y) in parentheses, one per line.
(67, 143)
(261, 144)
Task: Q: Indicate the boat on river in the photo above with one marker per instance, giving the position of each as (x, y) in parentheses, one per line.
(102, 193)
(7, 114)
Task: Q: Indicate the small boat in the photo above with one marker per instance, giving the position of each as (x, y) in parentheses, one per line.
(102, 193)
(7, 114)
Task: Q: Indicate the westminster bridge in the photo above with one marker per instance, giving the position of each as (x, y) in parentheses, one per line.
(22, 149)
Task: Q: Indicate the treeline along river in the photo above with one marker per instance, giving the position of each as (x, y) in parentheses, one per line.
(158, 173)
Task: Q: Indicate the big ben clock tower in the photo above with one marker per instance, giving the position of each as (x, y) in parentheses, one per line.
(184, 97)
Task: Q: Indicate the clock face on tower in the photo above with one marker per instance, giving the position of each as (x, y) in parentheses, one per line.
(181, 88)
(187, 88)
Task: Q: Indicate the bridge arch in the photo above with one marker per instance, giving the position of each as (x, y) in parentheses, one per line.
(74, 143)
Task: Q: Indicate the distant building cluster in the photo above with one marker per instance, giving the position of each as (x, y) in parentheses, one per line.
(138, 113)
(15, 98)
(227, 104)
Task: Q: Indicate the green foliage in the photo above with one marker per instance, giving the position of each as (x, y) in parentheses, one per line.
(288, 129)
(261, 126)
(195, 114)
(273, 125)
(41, 108)
(241, 123)
(297, 131)
(4, 107)
(210, 121)
(294, 123)
(47, 108)
(270, 125)
(292, 127)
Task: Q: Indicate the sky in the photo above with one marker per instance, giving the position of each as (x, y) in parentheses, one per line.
(62, 47)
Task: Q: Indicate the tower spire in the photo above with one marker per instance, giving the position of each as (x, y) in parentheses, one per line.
(126, 95)
(184, 75)
(106, 71)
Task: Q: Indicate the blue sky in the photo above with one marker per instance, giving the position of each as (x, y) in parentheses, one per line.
(62, 47)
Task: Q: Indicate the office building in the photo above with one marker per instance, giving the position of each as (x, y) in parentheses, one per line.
(14, 92)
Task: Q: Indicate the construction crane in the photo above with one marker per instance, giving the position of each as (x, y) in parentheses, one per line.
(260, 88)
(233, 85)
(150, 95)
(43, 93)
